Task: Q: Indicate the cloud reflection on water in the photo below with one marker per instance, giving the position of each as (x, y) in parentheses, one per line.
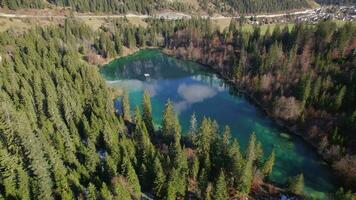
(193, 93)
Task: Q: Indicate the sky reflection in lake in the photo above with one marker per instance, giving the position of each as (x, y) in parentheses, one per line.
(193, 89)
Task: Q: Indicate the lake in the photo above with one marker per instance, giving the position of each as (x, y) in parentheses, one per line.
(195, 89)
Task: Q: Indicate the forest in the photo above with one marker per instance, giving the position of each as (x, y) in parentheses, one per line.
(304, 77)
(257, 6)
(150, 6)
(62, 139)
(337, 2)
(51, 93)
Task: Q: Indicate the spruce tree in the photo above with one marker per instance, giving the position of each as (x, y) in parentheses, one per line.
(159, 178)
(221, 190)
(245, 181)
(268, 165)
(132, 177)
(126, 106)
(120, 191)
(236, 161)
(147, 111)
(296, 184)
(105, 193)
(92, 193)
(171, 129)
(194, 169)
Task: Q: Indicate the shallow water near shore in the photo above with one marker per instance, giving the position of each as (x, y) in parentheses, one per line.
(194, 89)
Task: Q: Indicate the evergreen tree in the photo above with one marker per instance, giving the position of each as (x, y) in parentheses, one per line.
(159, 178)
(236, 161)
(105, 193)
(341, 194)
(126, 106)
(296, 184)
(92, 193)
(171, 129)
(268, 165)
(221, 192)
(132, 178)
(306, 90)
(194, 169)
(203, 182)
(340, 97)
(245, 181)
(147, 112)
(120, 192)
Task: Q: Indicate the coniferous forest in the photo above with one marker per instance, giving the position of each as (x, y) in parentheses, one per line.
(149, 6)
(337, 2)
(62, 139)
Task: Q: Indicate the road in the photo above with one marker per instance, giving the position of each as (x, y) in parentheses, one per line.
(166, 15)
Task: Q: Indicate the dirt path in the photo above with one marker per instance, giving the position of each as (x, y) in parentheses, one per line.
(166, 15)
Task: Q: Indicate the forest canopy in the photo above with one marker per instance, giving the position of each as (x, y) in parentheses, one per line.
(62, 139)
(150, 6)
(51, 94)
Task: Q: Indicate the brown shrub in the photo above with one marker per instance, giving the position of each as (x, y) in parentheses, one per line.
(346, 167)
(287, 108)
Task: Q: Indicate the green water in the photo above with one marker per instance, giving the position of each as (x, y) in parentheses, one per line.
(194, 89)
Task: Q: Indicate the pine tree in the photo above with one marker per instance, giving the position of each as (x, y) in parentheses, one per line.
(193, 124)
(236, 161)
(132, 178)
(245, 181)
(126, 106)
(202, 181)
(194, 169)
(296, 184)
(118, 43)
(259, 153)
(340, 97)
(147, 111)
(92, 193)
(306, 90)
(171, 192)
(268, 165)
(171, 129)
(120, 192)
(105, 193)
(159, 178)
(251, 148)
(342, 194)
(221, 192)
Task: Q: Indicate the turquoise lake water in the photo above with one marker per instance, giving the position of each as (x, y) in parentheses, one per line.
(195, 89)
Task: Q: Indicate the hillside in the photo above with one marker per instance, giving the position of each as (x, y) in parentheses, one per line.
(336, 2)
(151, 6)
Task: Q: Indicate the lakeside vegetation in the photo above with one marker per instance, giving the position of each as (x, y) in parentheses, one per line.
(309, 85)
(49, 95)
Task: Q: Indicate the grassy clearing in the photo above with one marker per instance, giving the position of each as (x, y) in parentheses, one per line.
(21, 25)
(192, 3)
(264, 28)
(221, 24)
(137, 21)
(94, 23)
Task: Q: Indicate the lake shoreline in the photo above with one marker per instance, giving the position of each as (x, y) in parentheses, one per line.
(265, 110)
(284, 127)
(250, 97)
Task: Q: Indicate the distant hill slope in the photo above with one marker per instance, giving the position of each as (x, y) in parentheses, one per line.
(337, 2)
(149, 6)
